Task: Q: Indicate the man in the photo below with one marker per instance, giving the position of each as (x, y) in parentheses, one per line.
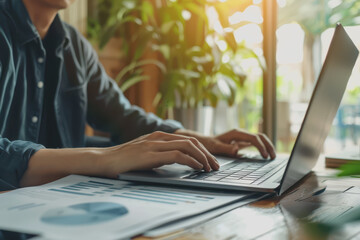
(51, 84)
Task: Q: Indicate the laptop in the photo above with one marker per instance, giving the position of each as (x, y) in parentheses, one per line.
(280, 174)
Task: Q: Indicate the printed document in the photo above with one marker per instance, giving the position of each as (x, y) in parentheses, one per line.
(79, 207)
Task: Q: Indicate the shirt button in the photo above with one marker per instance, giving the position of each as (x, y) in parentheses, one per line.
(34, 119)
(40, 60)
(40, 84)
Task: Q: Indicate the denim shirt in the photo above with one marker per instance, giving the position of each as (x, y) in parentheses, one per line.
(84, 93)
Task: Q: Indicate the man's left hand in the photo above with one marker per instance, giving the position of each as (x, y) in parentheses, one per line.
(231, 142)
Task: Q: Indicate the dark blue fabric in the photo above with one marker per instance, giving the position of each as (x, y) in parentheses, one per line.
(49, 136)
(84, 93)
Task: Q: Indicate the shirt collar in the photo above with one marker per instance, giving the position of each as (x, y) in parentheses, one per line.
(59, 35)
(26, 31)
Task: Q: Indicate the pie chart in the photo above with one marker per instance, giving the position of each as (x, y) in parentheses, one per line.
(84, 213)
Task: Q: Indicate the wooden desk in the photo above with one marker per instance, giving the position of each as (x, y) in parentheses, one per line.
(274, 218)
(278, 217)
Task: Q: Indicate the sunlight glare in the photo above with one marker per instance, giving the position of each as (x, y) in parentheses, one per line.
(334, 3)
(251, 14)
(221, 44)
(290, 43)
(250, 33)
(226, 58)
(213, 18)
(223, 86)
(210, 40)
(281, 3)
(186, 15)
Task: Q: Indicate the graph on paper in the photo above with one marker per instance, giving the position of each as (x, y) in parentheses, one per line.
(84, 213)
(133, 191)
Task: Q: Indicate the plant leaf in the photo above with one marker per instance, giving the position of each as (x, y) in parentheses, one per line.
(198, 9)
(147, 11)
(107, 34)
(167, 26)
(132, 66)
(213, 99)
(349, 169)
(132, 81)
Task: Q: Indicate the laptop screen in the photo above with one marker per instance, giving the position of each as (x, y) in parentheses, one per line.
(323, 105)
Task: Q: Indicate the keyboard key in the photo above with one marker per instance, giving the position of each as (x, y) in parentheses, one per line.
(231, 178)
(249, 178)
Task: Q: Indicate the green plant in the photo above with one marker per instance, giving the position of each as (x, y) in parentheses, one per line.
(118, 18)
(195, 70)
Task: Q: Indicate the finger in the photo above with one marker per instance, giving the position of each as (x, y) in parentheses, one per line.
(228, 137)
(176, 156)
(226, 149)
(211, 159)
(269, 146)
(242, 136)
(185, 146)
(170, 137)
(241, 144)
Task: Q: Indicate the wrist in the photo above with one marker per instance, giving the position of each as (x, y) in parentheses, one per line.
(90, 162)
(111, 161)
(186, 132)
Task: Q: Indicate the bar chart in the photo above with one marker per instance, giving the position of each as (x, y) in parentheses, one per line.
(132, 191)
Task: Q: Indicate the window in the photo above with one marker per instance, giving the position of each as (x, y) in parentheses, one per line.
(304, 31)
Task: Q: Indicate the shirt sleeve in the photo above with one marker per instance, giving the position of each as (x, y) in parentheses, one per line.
(14, 158)
(109, 110)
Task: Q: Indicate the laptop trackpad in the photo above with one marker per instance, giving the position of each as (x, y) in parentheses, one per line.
(178, 170)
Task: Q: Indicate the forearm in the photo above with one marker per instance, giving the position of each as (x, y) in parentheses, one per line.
(47, 165)
(147, 152)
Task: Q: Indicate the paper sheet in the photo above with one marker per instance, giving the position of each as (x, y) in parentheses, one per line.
(198, 219)
(78, 207)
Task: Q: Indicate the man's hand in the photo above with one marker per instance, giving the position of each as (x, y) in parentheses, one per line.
(158, 149)
(146, 152)
(231, 142)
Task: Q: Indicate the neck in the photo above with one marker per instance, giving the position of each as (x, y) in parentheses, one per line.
(40, 15)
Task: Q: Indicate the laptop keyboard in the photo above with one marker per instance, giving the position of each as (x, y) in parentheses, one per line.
(242, 172)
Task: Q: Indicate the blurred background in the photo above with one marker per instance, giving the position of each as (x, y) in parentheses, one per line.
(222, 64)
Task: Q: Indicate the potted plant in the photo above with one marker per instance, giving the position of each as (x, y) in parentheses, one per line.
(200, 62)
(197, 63)
(118, 19)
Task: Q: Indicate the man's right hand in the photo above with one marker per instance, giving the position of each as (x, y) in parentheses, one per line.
(146, 152)
(155, 150)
